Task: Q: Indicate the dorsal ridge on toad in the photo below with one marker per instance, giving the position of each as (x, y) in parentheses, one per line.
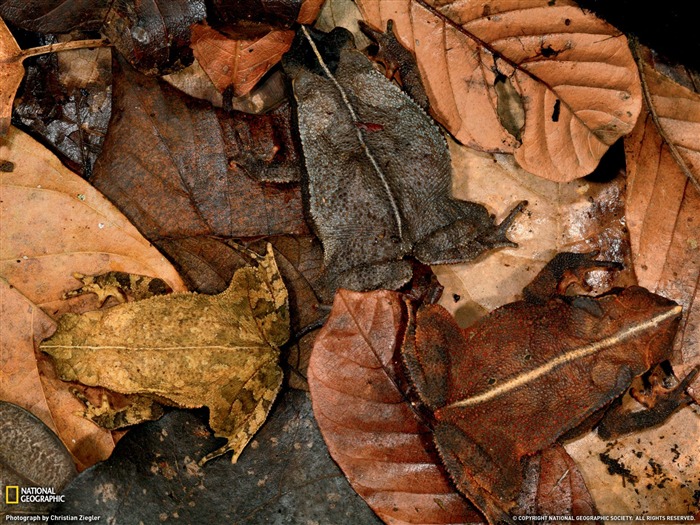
(358, 130)
(568, 357)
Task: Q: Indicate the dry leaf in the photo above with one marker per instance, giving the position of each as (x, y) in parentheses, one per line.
(663, 208)
(53, 225)
(238, 62)
(572, 73)
(368, 424)
(11, 74)
(28, 380)
(193, 350)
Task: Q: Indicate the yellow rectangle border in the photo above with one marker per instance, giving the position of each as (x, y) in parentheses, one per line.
(7, 494)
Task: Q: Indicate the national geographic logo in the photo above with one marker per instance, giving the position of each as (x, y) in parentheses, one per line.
(15, 494)
(11, 494)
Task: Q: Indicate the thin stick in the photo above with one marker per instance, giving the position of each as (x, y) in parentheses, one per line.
(63, 46)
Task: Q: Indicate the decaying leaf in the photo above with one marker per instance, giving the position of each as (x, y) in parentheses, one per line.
(12, 70)
(177, 168)
(378, 172)
(32, 455)
(67, 103)
(55, 16)
(55, 224)
(369, 425)
(663, 204)
(192, 350)
(575, 77)
(554, 486)
(154, 35)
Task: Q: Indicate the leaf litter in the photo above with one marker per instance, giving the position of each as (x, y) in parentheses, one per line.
(504, 88)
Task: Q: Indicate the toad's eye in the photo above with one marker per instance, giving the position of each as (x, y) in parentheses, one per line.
(491, 381)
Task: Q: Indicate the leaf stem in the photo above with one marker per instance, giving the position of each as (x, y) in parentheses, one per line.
(63, 46)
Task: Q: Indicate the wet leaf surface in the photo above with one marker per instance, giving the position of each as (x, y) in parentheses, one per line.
(67, 101)
(285, 476)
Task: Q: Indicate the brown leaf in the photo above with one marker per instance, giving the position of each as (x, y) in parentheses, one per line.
(554, 486)
(164, 163)
(369, 426)
(66, 101)
(238, 62)
(12, 70)
(28, 380)
(572, 73)
(55, 16)
(267, 95)
(191, 349)
(55, 224)
(663, 207)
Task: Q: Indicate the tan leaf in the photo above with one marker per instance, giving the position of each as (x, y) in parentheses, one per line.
(239, 62)
(54, 224)
(11, 74)
(574, 74)
(663, 205)
(574, 216)
(342, 13)
(676, 113)
(193, 350)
